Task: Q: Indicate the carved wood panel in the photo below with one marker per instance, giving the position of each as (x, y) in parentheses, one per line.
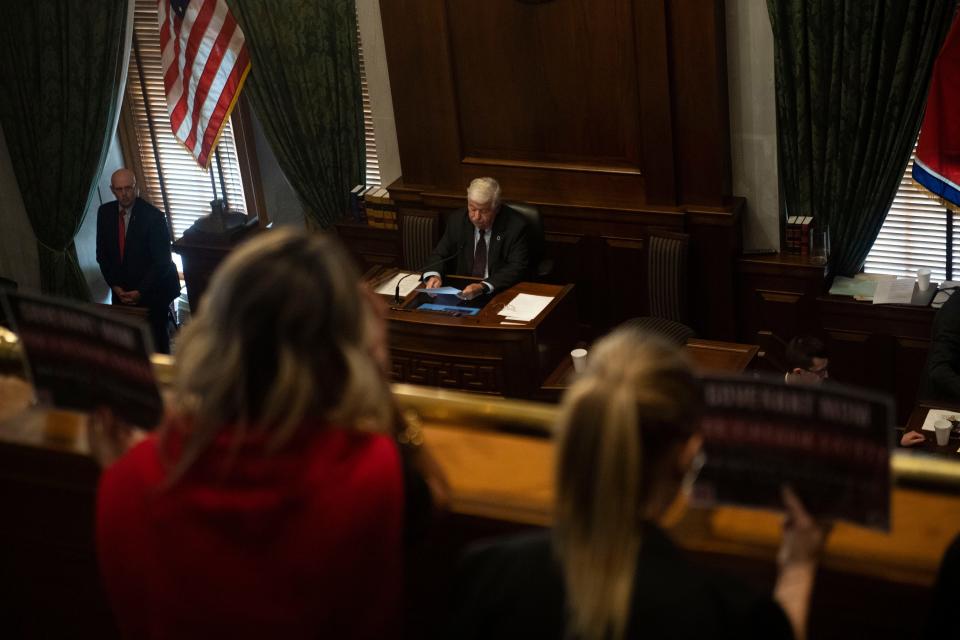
(482, 375)
(533, 75)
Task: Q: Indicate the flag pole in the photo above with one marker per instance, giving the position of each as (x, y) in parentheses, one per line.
(213, 183)
(223, 183)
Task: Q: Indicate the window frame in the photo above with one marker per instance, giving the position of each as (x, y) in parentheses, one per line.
(247, 162)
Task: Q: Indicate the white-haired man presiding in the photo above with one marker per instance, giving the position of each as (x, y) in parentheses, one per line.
(486, 240)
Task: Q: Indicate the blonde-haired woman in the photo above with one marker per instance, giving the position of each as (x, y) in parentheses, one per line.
(271, 503)
(628, 444)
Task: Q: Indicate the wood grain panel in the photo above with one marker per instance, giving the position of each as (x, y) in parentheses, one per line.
(527, 65)
(625, 293)
(702, 120)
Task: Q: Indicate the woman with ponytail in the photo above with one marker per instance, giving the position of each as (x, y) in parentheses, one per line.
(628, 445)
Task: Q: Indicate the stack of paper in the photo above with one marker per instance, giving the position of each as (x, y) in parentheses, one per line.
(859, 288)
(899, 291)
(525, 307)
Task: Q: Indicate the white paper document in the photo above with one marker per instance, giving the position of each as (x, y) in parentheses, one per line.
(525, 307)
(389, 287)
(899, 291)
(936, 414)
(440, 291)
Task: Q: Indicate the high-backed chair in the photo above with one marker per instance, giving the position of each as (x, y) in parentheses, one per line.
(772, 357)
(540, 266)
(666, 274)
(419, 233)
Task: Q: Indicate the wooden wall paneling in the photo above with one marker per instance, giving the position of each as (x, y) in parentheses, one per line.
(370, 246)
(653, 80)
(714, 248)
(572, 99)
(700, 110)
(778, 294)
(571, 264)
(623, 293)
(524, 78)
(418, 56)
(892, 361)
(860, 358)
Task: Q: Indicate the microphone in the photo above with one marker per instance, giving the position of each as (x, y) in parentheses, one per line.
(432, 265)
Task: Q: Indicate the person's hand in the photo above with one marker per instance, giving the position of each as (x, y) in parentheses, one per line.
(109, 437)
(471, 291)
(912, 438)
(432, 282)
(133, 296)
(803, 537)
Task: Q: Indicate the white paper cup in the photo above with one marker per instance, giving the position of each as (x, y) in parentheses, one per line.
(923, 279)
(579, 357)
(942, 428)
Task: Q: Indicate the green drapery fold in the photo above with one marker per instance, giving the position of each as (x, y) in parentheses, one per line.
(60, 72)
(851, 82)
(305, 88)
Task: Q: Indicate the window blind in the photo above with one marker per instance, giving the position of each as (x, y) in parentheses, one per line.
(370, 138)
(188, 188)
(914, 234)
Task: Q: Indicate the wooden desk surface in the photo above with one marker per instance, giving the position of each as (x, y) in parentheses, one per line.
(706, 356)
(713, 356)
(915, 423)
(510, 478)
(489, 315)
(485, 353)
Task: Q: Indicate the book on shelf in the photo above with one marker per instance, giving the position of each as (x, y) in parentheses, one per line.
(797, 235)
(381, 212)
(358, 209)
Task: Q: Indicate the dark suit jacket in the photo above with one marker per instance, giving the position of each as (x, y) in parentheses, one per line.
(514, 589)
(508, 257)
(941, 377)
(146, 265)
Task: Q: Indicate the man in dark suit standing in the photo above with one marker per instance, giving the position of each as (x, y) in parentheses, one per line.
(133, 251)
(488, 239)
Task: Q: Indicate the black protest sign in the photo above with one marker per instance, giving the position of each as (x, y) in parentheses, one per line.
(80, 358)
(830, 443)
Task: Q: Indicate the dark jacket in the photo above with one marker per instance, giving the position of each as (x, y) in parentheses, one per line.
(508, 257)
(941, 377)
(146, 266)
(514, 589)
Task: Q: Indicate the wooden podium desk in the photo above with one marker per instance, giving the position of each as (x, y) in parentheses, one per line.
(483, 353)
(706, 356)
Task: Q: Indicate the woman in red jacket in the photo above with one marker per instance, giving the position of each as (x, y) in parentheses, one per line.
(270, 503)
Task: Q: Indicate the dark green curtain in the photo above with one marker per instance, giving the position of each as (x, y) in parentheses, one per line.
(60, 73)
(305, 88)
(851, 82)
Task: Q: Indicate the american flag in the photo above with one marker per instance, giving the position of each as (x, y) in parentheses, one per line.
(205, 62)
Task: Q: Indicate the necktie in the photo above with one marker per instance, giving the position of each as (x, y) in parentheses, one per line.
(480, 257)
(123, 232)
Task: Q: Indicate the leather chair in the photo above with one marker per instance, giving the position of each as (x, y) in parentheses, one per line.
(540, 266)
(667, 290)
